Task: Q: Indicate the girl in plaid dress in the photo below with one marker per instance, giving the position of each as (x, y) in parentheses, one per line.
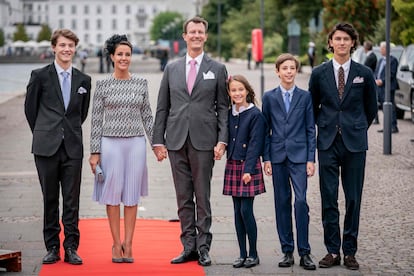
(243, 178)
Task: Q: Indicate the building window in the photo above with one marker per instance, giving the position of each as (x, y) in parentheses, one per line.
(141, 23)
(128, 9)
(86, 9)
(61, 9)
(114, 24)
(98, 24)
(86, 38)
(113, 9)
(73, 9)
(128, 24)
(86, 24)
(73, 24)
(61, 24)
(98, 10)
(99, 38)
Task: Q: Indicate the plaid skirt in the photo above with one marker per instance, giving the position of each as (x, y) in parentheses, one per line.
(234, 185)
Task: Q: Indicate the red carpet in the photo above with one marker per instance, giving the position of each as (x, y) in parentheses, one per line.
(156, 242)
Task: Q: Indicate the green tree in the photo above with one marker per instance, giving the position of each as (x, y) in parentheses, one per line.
(20, 33)
(360, 13)
(405, 20)
(2, 40)
(44, 33)
(167, 25)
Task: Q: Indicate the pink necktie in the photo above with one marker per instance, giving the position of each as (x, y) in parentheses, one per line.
(191, 75)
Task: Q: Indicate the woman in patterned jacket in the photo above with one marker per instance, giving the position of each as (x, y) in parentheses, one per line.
(121, 116)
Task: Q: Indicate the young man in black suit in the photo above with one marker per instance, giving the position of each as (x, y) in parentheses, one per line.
(344, 104)
(56, 105)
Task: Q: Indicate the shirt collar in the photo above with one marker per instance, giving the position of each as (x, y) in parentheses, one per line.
(198, 58)
(346, 65)
(59, 69)
(284, 90)
(241, 109)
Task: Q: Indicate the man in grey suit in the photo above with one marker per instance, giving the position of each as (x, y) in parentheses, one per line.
(191, 125)
(56, 105)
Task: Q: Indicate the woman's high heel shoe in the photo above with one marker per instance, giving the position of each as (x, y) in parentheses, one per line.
(124, 259)
(116, 260)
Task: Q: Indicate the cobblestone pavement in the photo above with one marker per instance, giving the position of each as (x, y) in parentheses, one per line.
(386, 239)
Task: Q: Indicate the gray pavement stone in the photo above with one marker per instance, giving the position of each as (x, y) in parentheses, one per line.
(386, 239)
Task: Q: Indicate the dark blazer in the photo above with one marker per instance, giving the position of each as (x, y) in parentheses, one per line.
(333, 115)
(292, 134)
(246, 138)
(371, 61)
(202, 115)
(46, 113)
(393, 73)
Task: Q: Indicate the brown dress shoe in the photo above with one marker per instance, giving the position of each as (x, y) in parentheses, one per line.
(329, 260)
(351, 263)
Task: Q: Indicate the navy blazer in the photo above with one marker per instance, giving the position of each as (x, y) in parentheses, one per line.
(246, 137)
(292, 134)
(350, 116)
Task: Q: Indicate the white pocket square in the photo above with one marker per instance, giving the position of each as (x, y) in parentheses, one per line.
(209, 75)
(358, 80)
(82, 90)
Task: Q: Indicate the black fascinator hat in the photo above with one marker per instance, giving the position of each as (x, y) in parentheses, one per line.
(113, 42)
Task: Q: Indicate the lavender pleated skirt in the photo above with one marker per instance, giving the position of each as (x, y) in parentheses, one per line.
(124, 164)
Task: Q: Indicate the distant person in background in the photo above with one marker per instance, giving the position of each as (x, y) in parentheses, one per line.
(83, 58)
(101, 63)
(56, 105)
(371, 57)
(311, 54)
(371, 62)
(380, 81)
(249, 56)
(109, 63)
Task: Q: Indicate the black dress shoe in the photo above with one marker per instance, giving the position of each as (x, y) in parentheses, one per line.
(185, 256)
(52, 256)
(251, 262)
(239, 262)
(394, 130)
(287, 260)
(72, 257)
(307, 263)
(204, 259)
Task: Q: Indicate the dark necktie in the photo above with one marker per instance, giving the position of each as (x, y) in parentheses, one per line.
(287, 101)
(341, 82)
(66, 88)
(191, 75)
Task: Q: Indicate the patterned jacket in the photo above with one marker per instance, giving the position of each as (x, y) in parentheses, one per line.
(121, 108)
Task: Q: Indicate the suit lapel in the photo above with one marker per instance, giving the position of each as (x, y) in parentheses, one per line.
(295, 100)
(351, 76)
(204, 68)
(56, 84)
(279, 99)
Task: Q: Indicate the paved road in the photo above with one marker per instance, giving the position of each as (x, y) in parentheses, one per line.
(386, 244)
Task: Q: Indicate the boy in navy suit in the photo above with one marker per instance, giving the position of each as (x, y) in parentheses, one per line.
(289, 157)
